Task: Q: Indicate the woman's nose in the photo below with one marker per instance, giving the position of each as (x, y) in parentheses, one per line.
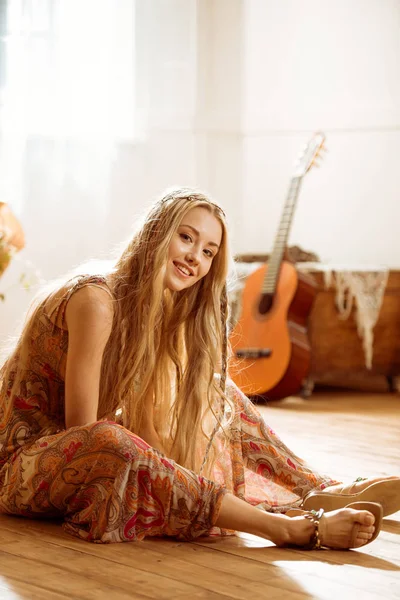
(193, 257)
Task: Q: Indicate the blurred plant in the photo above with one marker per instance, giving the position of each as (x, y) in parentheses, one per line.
(29, 277)
(12, 240)
(6, 252)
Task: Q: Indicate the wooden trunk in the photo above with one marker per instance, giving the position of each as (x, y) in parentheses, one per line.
(337, 351)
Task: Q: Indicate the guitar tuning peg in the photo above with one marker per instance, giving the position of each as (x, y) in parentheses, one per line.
(319, 154)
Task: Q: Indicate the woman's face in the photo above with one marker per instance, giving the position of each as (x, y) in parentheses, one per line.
(192, 249)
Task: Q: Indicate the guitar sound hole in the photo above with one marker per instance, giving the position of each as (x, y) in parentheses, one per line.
(265, 303)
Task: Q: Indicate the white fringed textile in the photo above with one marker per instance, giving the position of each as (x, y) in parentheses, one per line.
(360, 286)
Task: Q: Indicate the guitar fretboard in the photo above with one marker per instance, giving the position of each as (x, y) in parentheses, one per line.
(274, 263)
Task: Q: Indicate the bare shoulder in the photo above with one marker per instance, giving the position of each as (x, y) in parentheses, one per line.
(90, 306)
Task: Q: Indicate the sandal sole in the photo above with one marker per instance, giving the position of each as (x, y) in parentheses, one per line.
(386, 493)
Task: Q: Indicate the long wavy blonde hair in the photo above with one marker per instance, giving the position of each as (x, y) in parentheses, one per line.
(166, 343)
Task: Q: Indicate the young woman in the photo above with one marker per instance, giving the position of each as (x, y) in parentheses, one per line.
(115, 413)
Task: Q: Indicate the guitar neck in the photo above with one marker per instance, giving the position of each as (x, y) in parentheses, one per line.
(275, 261)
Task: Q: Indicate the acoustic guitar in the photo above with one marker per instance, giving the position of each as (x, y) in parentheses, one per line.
(271, 352)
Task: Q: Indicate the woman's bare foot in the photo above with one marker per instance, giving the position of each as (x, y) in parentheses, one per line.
(339, 529)
(346, 528)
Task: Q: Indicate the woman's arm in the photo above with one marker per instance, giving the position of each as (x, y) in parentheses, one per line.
(89, 315)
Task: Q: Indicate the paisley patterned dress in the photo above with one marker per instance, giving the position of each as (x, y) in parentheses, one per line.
(106, 483)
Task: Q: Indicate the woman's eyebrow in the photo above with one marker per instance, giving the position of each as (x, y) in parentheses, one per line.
(198, 233)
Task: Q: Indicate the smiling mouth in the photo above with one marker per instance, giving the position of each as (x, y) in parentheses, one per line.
(183, 270)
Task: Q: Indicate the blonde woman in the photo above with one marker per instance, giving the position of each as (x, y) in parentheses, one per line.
(145, 344)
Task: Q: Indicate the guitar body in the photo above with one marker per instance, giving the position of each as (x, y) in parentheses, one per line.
(282, 329)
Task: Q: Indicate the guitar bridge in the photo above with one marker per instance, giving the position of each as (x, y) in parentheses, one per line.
(254, 352)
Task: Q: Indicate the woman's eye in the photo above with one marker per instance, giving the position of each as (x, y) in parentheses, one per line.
(186, 237)
(209, 253)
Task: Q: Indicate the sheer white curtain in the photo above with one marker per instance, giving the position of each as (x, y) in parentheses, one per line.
(82, 147)
(68, 68)
(67, 102)
(67, 88)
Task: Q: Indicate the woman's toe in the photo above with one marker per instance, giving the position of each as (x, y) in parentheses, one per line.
(362, 534)
(369, 529)
(362, 538)
(364, 518)
(365, 535)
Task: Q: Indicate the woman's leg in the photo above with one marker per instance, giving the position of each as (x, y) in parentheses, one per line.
(339, 529)
(265, 454)
(109, 485)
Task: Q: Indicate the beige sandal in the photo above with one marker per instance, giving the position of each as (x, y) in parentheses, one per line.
(386, 493)
(315, 516)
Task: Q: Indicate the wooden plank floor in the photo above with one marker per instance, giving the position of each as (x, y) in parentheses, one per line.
(344, 434)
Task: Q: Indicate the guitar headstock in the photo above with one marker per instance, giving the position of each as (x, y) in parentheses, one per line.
(308, 156)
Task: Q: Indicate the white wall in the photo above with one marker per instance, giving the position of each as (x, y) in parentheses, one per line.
(228, 91)
(333, 66)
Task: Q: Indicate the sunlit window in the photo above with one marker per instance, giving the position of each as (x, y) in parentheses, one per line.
(67, 68)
